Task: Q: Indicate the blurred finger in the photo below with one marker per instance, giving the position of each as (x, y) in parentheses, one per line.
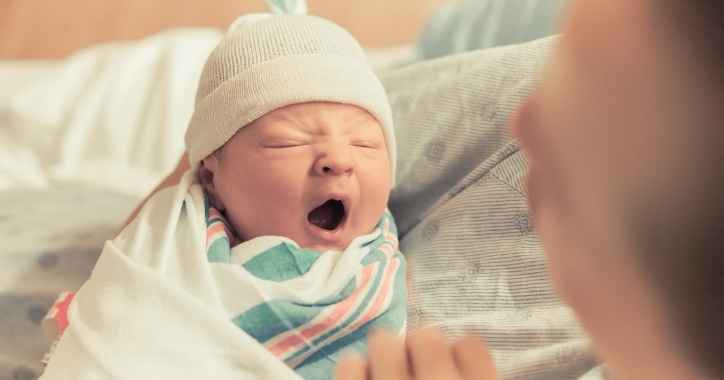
(387, 356)
(473, 359)
(431, 355)
(351, 367)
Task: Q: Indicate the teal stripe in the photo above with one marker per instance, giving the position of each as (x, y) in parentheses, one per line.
(321, 364)
(267, 320)
(374, 256)
(392, 319)
(360, 309)
(282, 262)
(271, 318)
(328, 355)
(219, 251)
(206, 208)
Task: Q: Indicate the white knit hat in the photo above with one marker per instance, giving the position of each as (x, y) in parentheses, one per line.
(268, 61)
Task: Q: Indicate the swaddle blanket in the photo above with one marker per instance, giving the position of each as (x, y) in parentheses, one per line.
(171, 298)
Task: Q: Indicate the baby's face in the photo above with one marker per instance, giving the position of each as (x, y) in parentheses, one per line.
(317, 173)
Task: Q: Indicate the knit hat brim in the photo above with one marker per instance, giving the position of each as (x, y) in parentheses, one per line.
(266, 87)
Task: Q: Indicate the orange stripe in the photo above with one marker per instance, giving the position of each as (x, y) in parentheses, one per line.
(372, 312)
(61, 318)
(213, 230)
(374, 309)
(339, 311)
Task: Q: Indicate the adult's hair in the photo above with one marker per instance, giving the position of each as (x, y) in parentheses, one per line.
(681, 239)
(700, 26)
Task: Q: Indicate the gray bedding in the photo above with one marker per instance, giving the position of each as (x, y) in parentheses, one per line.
(50, 241)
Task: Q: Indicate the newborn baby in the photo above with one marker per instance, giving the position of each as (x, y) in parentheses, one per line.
(277, 247)
(317, 173)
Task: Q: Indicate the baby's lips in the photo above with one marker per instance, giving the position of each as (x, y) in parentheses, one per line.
(342, 197)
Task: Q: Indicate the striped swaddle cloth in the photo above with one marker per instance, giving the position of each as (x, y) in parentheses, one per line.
(303, 306)
(359, 289)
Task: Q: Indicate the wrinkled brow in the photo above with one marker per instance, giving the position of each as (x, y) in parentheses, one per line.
(317, 125)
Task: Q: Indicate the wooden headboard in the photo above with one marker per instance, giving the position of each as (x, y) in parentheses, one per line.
(52, 29)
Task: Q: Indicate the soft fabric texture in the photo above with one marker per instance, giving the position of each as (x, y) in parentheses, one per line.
(475, 263)
(310, 306)
(302, 306)
(474, 259)
(267, 61)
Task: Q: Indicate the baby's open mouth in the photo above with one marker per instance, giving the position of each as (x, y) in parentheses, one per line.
(329, 215)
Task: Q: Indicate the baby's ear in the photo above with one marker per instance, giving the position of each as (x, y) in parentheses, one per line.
(207, 174)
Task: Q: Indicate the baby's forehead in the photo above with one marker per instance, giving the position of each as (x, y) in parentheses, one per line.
(317, 116)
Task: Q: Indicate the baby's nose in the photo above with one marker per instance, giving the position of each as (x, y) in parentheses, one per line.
(335, 160)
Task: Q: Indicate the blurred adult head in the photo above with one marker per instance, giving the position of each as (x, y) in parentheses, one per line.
(625, 139)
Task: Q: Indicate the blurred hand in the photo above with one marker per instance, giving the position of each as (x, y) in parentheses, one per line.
(425, 355)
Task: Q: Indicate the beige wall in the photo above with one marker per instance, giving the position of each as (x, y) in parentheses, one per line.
(53, 28)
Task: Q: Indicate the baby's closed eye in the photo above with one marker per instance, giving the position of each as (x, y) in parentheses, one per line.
(369, 144)
(283, 143)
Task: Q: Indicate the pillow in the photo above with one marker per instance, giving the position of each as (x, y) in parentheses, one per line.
(475, 263)
(109, 116)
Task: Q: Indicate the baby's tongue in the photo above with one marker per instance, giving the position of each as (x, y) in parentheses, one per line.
(325, 216)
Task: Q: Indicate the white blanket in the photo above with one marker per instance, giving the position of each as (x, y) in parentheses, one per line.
(159, 304)
(150, 309)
